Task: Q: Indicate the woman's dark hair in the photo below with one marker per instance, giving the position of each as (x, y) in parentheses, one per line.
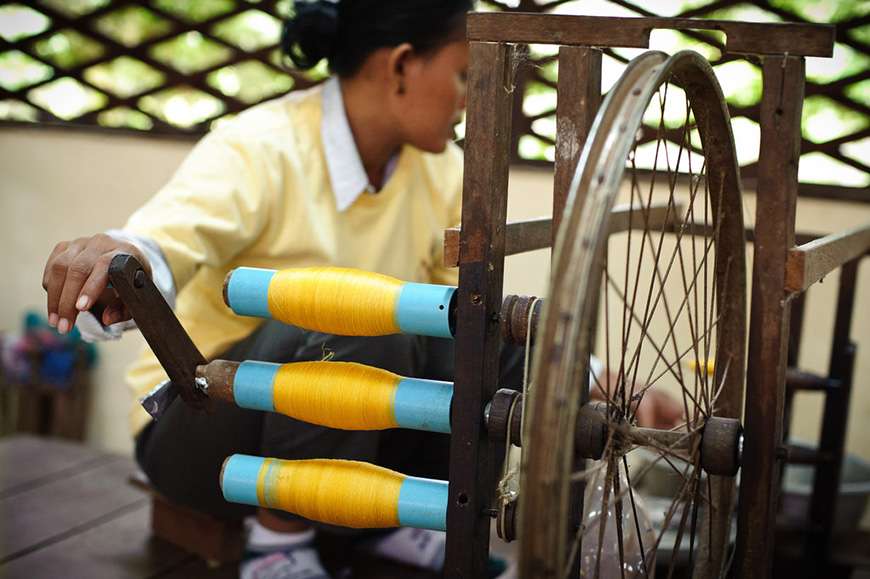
(345, 32)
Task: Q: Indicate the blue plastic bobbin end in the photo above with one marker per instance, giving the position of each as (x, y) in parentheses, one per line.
(254, 385)
(423, 504)
(239, 478)
(423, 404)
(424, 309)
(248, 291)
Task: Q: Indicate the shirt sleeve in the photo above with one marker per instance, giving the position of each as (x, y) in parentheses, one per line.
(215, 205)
(453, 189)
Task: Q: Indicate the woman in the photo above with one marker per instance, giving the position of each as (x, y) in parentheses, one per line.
(357, 172)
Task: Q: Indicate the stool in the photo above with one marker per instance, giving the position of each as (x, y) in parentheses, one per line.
(214, 540)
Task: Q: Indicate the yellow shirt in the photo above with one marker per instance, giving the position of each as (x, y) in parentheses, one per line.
(256, 192)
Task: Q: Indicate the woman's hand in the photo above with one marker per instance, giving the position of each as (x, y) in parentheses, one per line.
(76, 275)
(657, 408)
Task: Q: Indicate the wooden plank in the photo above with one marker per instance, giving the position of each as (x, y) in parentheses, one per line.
(781, 103)
(520, 236)
(34, 518)
(533, 234)
(28, 461)
(121, 548)
(741, 37)
(810, 262)
(210, 538)
(474, 459)
(578, 96)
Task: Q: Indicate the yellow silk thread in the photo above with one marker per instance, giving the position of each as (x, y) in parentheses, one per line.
(337, 394)
(336, 300)
(338, 492)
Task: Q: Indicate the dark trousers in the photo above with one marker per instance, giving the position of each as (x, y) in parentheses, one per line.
(183, 452)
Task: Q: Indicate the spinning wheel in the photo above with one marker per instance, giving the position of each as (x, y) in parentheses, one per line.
(660, 300)
(648, 277)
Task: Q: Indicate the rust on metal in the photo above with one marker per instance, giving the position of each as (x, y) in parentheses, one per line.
(218, 377)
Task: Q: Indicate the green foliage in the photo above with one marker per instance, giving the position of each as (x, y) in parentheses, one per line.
(182, 106)
(132, 25)
(124, 76)
(46, 57)
(74, 7)
(190, 52)
(824, 10)
(250, 81)
(67, 98)
(249, 30)
(126, 118)
(68, 48)
(18, 70)
(17, 21)
(195, 10)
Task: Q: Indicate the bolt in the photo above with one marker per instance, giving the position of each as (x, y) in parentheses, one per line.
(139, 278)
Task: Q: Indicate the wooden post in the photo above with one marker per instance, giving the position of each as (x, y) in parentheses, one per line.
(781, 102)
(578, 99)
(473, 457)
(832, 442)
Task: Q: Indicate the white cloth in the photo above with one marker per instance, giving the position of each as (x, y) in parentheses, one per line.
(416, 547)
(347, 176)
(259, 538)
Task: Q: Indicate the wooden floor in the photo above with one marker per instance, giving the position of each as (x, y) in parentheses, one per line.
(67, 510)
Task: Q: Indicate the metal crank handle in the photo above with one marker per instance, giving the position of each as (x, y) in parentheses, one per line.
(171, 345)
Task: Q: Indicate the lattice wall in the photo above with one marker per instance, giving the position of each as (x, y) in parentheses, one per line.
(836, 121)
(164, 66)
(173, 66)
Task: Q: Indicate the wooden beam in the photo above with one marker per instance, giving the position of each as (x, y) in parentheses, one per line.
(781, 102)
(600, 31)
(520, 236)
(474, 460)
(578, 96)
(810, 262)
(523, 236)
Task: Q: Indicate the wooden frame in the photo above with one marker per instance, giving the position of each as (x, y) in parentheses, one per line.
(485, 239)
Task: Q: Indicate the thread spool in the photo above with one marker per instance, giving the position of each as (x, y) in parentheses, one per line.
(341, 301)
(342, 395)
(338, 492)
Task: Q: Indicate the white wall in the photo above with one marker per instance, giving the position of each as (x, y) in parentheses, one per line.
(58, 185)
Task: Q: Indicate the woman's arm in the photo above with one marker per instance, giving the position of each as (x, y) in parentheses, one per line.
(215, 205)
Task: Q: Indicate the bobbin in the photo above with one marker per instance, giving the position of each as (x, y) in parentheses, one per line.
(515, 322)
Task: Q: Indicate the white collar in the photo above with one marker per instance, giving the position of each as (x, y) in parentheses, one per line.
(346, 172)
